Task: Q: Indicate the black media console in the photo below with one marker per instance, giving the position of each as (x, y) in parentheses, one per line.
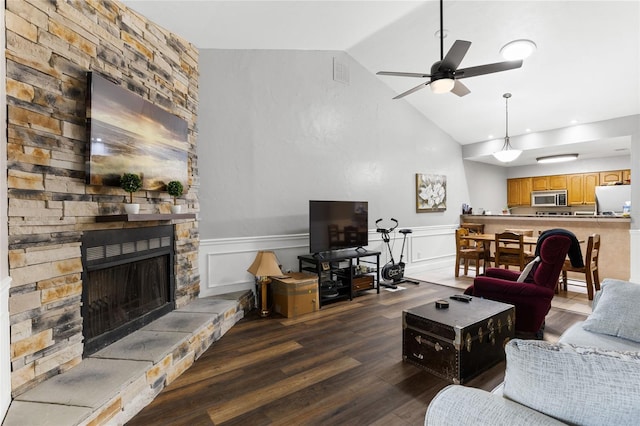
(343, 274)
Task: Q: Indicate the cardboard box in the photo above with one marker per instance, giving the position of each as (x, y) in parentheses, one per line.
(295, 295)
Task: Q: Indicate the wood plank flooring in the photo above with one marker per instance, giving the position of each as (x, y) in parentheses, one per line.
(341, 365)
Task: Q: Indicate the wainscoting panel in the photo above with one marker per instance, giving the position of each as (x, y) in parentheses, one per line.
(224, 262)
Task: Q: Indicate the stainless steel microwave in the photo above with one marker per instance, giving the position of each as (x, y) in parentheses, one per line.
(549, 198)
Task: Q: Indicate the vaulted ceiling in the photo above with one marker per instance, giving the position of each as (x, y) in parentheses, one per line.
(585, 69)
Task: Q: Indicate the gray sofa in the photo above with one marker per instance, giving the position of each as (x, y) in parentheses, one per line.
(590, 377)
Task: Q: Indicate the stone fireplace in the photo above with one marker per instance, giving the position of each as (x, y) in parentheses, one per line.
(53, 214)
(127, 282)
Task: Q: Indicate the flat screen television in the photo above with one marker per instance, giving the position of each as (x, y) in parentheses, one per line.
(337, 225)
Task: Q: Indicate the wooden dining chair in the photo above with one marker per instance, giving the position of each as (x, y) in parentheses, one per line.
(590, 269)
(510, 250)
(466, 251)
(474, 228)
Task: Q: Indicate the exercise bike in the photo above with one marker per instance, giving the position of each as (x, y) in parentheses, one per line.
(393, 271)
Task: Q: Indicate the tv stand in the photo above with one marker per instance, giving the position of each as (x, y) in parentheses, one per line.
(343, 274)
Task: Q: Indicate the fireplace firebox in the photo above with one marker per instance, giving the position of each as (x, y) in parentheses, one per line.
(128, 281)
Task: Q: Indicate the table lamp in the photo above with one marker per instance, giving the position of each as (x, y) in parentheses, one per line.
(264, 266)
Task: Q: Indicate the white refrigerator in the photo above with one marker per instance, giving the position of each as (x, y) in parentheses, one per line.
(610, 200)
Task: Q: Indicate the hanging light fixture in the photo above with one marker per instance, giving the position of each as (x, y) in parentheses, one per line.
(507, 153)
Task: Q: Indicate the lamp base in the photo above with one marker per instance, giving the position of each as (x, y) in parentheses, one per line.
(264, 311)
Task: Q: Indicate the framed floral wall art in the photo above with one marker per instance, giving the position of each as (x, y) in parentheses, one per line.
(431, 193)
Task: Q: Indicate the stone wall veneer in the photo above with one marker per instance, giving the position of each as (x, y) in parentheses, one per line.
(51, 45)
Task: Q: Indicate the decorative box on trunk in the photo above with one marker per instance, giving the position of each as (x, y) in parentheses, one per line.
(459, 342)
(295, 295)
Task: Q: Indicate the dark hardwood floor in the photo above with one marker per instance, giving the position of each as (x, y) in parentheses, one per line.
(340, 365)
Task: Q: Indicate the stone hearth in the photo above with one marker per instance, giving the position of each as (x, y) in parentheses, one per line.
(115, 383)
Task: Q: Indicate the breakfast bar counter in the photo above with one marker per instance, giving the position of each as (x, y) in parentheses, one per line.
(614, 234)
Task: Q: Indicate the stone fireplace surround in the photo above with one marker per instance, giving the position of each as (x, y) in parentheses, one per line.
(50, 46)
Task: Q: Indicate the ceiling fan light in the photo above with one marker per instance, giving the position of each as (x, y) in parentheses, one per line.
(518, 49)
(443, 85)
(557, 158)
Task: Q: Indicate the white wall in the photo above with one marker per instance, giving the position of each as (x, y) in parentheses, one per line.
(275, 130)
(487, 186)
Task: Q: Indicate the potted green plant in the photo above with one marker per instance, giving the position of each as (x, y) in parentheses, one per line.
(175, 188)
(131, 183)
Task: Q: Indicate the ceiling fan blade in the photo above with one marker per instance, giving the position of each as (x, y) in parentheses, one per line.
(487, 69)
(455, 55)
(403, 74)
(460, 89)
(410, 91)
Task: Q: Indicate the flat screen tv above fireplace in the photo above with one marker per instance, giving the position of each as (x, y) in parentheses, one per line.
(128, 134)
(336, 225)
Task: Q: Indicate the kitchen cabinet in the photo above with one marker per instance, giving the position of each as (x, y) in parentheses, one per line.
(591, 180)
(539, 183)
(626, 176)
(581, 188)
(612, 176)
(519, 192)
(544, 183)
(558, 182)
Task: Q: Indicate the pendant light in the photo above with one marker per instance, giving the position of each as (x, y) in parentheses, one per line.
(507, 154)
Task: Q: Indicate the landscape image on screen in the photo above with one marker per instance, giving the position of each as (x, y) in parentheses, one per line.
(129, 134)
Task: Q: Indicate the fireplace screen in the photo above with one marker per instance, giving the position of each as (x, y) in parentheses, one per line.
(123, 293)
(128, 282)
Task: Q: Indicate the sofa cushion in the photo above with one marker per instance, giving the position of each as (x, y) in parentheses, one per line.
(460, 405)
(576, 335)
(616, 310)
(577, 385)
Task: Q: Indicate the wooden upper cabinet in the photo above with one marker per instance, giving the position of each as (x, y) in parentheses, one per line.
(519, 192)
(539, 183)
(626, 176)
(525, 191)
(611, 176)
(513, 192)
(591, 180)
(558, 182)
(575, 189)
(543, 183)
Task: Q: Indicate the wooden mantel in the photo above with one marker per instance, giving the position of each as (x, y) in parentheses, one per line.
(144, 217)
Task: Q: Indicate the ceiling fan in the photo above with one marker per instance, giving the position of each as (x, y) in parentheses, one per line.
(445, 75)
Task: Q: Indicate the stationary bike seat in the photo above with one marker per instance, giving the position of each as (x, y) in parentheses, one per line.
(405, 231)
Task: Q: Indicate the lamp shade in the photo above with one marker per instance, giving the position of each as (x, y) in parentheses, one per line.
(507, 155)
(265, 265)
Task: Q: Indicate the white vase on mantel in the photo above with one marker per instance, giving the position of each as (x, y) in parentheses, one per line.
(132, 208)
(176, 208)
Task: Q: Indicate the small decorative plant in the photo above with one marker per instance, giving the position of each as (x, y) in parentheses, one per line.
(131, 183)
(174, 188)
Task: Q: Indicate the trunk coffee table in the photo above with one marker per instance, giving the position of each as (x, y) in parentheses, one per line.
(459, 342)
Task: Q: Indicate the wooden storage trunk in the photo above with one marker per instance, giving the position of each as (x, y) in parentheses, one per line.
(295, 295)
(460, 342)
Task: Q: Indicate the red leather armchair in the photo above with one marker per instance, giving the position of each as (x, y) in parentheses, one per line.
(532, 298)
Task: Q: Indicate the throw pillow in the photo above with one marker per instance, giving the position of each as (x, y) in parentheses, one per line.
(576, 385)
(616, 312)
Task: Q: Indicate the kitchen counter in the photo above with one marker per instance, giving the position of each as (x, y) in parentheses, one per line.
(476, 217)
(614, 235)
